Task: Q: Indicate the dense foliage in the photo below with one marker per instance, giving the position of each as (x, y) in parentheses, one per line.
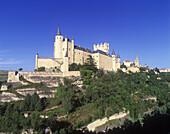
(101, 95)
(40, 69)
(112, 92)
(12, 117)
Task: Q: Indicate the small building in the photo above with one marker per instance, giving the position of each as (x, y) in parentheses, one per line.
(4, 87)
(127, 63)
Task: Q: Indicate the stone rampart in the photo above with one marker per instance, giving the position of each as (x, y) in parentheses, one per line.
(13, 76)
(72, 73)
(41, 74)
(92, 126)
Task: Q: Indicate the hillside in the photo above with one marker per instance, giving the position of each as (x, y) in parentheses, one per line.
(142, 95)
(3, 76)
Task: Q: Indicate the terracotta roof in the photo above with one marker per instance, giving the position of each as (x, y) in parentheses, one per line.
(127, 61)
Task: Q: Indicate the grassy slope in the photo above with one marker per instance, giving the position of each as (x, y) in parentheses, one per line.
(3, 75)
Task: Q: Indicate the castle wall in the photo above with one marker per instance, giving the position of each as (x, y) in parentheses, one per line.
(13, 76)
(40, 74)
(80, 56)
(96, 59)
(48, 62)
(105, 62)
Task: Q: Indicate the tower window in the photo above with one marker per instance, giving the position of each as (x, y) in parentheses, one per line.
(63, 49)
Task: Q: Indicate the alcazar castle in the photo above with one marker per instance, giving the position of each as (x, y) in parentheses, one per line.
(66, 53)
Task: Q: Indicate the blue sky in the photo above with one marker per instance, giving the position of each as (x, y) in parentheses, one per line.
(131, 27)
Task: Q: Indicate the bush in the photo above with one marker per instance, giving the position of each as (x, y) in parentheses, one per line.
(40, 69)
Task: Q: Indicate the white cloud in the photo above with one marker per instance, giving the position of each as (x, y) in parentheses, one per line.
(10, 61)
(7, 61)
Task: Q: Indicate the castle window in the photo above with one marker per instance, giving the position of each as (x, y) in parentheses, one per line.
(69, 48)
(79, 53)
(69, 58)
(63, 49)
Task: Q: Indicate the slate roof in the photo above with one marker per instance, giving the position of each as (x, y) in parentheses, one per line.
(89, 51)
(83, 49)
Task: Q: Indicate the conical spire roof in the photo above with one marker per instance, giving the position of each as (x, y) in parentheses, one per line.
(113, 52)
(58, 31)
(118, 56)
(137, 58)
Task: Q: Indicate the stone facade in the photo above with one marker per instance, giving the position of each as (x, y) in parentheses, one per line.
(66, 52)
(165, 70)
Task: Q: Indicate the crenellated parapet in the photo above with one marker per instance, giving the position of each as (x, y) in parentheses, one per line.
(103, 47)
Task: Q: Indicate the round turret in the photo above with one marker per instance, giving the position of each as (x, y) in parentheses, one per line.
(58, 45)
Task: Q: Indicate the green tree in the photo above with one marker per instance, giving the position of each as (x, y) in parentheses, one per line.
(123, 66)
(20, 69)
(74, 67)
(25, 105)
(34, 99)
(41, 104)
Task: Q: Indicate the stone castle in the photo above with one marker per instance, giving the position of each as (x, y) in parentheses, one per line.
(66, 53)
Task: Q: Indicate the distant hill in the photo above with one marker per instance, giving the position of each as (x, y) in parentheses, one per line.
(3, 76)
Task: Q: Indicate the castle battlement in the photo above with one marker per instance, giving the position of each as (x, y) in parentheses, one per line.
(103, 47)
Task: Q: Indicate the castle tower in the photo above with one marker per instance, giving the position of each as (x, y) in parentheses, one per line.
(58, 44)
(106, 48)
(137, 61)
(72, 49)
(65, 46)
(114, 60)
(118, 62)
(36, 61)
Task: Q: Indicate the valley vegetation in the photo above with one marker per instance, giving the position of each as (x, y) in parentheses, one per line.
(101, 95)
